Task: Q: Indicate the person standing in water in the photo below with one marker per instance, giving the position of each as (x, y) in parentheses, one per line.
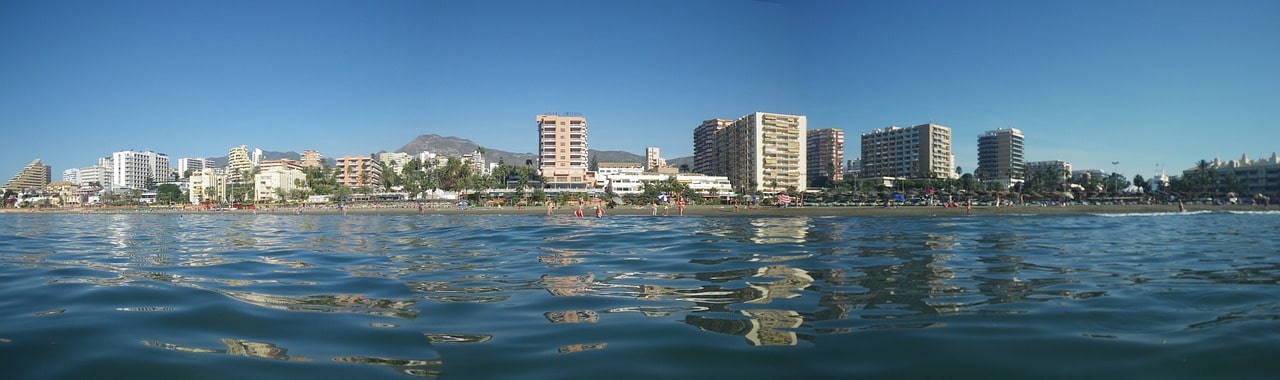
(599, 211)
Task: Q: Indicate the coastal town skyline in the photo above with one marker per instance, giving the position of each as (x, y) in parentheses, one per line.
(1151, 85)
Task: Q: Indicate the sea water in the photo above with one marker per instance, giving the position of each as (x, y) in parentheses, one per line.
(191, 296)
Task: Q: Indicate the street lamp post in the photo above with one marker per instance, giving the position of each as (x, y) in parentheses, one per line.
(1114, 181)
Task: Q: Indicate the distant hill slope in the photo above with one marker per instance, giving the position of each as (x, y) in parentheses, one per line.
(456, 146)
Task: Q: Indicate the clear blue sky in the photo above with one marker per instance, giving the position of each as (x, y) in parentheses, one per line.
(1090, 82)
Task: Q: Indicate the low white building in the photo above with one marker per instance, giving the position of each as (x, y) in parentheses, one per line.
(269, 184)
(703, 184)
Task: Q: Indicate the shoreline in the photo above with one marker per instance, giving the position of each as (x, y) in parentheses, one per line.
(698, 210)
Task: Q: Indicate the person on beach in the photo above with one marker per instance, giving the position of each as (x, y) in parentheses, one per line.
(968, 205)
(680, 204)
(1181, 207)
(550, 206)
(654, 205)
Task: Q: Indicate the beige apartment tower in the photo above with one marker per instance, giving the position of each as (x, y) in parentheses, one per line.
(562, 151)
(760, 152)
(922, 151)
(704, 144)
(825, 148)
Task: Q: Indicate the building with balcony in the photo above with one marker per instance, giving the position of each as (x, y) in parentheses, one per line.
(275, 182)
(238, 163)
(191, 165)
(139, 170)
(1000, 155)
(32, 177)
(825, 149)
(704, 144)
(1245, 175)
(653, 159)
(759, 152)
(1061, 168)
(206, 185)
(356, 171)
(312, 159)
(922, 151)
(562, 152)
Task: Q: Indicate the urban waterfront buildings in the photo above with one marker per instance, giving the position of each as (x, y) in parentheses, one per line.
(238, 163)
(189, 165)
(653, 159)
(922, 151)
(825, 149)
(562, 151)
(312, 159)
(355, 171)
(1062, 168)
(139, 170)
(1000, 155)
(1251, 177)
(704, 144)
(34, 176)
(276, 179)
(206, 185)
(758, 152)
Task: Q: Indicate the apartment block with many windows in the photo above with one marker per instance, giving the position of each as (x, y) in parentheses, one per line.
(1000, 155)
(922, 151)
(825, 148)
(562, 152)
(355, 171)
(759, 152)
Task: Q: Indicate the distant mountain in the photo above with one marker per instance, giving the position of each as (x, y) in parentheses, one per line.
(614, 156)
(456, 146)
(676, 162)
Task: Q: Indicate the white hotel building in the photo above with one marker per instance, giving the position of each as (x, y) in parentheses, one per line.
(136, 170)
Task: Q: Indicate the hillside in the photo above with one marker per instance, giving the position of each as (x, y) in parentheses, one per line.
(456, 146)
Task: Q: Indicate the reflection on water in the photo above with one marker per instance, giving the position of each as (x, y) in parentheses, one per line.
(488, 291)
(237, 347)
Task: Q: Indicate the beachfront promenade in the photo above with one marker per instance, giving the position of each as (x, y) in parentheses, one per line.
(692, 210)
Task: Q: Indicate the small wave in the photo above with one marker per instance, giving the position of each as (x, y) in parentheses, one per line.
(1129, 214)
(1268, 212)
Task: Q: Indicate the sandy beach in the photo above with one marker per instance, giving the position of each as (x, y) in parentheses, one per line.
(698, 210)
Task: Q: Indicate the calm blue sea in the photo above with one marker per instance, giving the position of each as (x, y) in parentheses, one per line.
(217, 296)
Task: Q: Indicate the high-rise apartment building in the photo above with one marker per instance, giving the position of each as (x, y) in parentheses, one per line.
(562, 151)
(1000, 154)
(394, 161)
(34, 176)
(312, 159)
(139, 170)
(192, 165)
(71, 175)
(238, 163)
(704, 144)
(356, 171)
(653, 159)
(825, 149)
(759, 152)
(922, 151)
